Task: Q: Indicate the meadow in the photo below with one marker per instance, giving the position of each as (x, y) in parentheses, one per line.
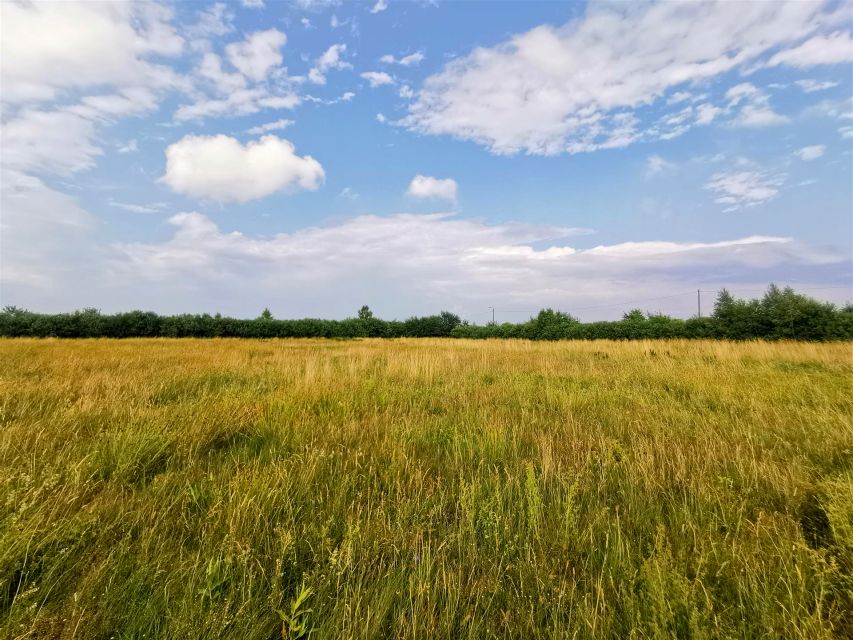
(425, 488)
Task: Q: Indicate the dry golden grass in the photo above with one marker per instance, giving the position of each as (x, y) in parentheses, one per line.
(425, 488)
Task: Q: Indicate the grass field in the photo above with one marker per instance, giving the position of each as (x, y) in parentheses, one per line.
(425, 489)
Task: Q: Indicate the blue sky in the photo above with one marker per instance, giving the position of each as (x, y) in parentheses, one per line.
(415, 156)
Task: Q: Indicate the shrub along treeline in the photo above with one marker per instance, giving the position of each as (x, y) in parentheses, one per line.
(780, 314)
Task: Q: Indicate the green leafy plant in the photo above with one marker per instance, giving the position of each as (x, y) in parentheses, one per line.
(216, 578)
(294, 623)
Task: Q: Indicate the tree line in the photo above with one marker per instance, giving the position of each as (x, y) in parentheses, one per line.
(779, 314)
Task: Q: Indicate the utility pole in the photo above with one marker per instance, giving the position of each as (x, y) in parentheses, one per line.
(493, 314)
(699, 302)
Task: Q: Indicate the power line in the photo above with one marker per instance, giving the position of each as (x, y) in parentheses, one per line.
(494, 310)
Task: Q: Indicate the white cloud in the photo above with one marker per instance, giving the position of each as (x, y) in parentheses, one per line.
(440, 261)
(315, 5)
(220, 168)
(49, 47)
(246, 89)
(577, 87)
(656, 165)
(276, 125)
(846, 133)
(755, 109)
(429, 187)
(377, 78)
(679, 96)
(224, 82)
(407, 61)
(337, 23)
(253, 4)
(331, 59)
(812, 152)
(406, 92)
(738, 189)
(44, 236)
(130, 101)
(380, 118)
(706, 113)
(810, 86)
(759, 116)
(49, 141)
(258, 54)
(744, 91)
(242, 102)
(411, 59)
(380, 5)
(157, 207)
(824, 49)
(131, 146)
(216, 20)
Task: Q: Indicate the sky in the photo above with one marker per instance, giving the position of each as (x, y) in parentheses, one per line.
(313, 156)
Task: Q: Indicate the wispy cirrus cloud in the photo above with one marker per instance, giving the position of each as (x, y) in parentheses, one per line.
(811, 152)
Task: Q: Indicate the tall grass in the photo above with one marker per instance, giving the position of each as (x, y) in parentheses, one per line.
(425, 489)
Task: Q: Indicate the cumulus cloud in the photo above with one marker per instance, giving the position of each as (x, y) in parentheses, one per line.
(246, 87)
(380, 5)
(429, 187)
(257, 54)
(377, 78)
(812, 152)
(331, 59)
(220, 168)
(584, 85)
(223, 81)
(739, 189)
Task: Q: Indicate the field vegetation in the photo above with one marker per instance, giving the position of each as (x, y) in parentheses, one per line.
(781, 314)
(429, 488)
